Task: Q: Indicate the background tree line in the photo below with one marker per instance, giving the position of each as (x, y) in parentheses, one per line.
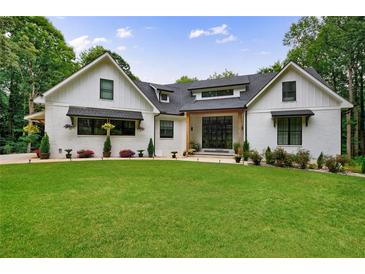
(34, 56)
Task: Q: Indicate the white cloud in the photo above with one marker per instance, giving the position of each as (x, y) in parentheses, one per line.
(223, 29)
(80, 43)
(218, 30)
(99, 40)
(121, 48)
(228, 39)
(150, 28)
(263, 52)
(124, 32)
(195, 33)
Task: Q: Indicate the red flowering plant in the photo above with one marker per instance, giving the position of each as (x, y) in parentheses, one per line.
(126, 153)
(85, 153)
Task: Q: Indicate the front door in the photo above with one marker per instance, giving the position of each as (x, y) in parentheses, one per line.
(217, 132)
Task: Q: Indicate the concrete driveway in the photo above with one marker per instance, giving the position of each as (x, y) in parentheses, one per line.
(17, 158)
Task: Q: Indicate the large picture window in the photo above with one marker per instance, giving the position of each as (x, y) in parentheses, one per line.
(123, 127)
(289, 91)
(166, 129)
(290, 131)
(87, 126)
(106, 89)
(217, 93)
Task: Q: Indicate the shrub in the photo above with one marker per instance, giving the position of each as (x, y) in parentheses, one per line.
(255, 157)
(237, 148)
(312, 166)
(269, 156)
(7, 149)
(195, 146)
(332, 164)
(279, 156)
(289, 159)
(150, 148)
(107, 145)
(320, 161)
(342, 159)
(302, 158)
(44, 148)
(363, 166)
(246, 150)
(126, 153)
(85, 153)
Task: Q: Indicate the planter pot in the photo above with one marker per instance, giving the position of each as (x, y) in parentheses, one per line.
(106, 154)
(140, 155)
(68, 156)
(237, 160)
(44, 155)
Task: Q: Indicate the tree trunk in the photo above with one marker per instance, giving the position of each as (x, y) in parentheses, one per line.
(348, 116)
(362, 112)
(356, 114)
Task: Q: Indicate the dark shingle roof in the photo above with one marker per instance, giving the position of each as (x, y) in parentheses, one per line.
(223, 82)
(182, 100)
(104, 113)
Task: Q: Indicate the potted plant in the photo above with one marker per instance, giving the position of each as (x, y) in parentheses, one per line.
(237, 158)
(173, 154)
(126, 153)
(320, 161)
(255, 157)
(68, 154)
(107, 147)
(246, 150)
(44, 147)
(85, 153)
(140, 153)
(150, 148)
(107, 144)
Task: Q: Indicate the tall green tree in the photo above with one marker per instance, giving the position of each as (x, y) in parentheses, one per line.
(276, 67)
(186, 79)
(34, 57)
(225, 74)
(91, 54)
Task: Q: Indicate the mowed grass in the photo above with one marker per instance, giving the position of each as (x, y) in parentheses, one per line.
(178, 209)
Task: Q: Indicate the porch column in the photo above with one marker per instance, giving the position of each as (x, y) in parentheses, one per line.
(240, 127)
(187, 132)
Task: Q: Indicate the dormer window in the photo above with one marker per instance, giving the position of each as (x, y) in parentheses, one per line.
(217, 93)
(164, 98)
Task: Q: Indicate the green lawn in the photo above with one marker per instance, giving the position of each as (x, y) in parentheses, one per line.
(178, 209)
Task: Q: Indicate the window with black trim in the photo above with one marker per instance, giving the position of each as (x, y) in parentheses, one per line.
(166, 129)
(123, 127)
(217, 93)
(289, 131)
(164, 97)
(106, 89)
(289, 91)
(87, 126)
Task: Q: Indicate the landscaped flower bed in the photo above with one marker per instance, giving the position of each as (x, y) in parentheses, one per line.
(85, 153)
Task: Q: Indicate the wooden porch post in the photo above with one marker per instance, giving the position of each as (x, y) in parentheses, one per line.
(187, 132)
(240, 127)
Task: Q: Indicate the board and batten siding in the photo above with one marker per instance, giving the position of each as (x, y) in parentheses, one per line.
(164, 146)
(323, 133)
(84, 91)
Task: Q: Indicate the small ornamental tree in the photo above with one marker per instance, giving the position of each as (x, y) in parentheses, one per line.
(107, 146)
(363, 166)
(320, 161)
(150, 148)
(269, 156)
(246, 150)
(44, 147)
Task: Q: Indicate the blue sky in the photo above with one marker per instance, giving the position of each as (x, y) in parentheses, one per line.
(161, 49)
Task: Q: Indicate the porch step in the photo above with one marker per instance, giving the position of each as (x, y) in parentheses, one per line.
(226, 153)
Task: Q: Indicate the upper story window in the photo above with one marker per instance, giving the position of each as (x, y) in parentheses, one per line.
(217, 93)
(166, 129)
(106, 89)
(289, 91)
(164, 98)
